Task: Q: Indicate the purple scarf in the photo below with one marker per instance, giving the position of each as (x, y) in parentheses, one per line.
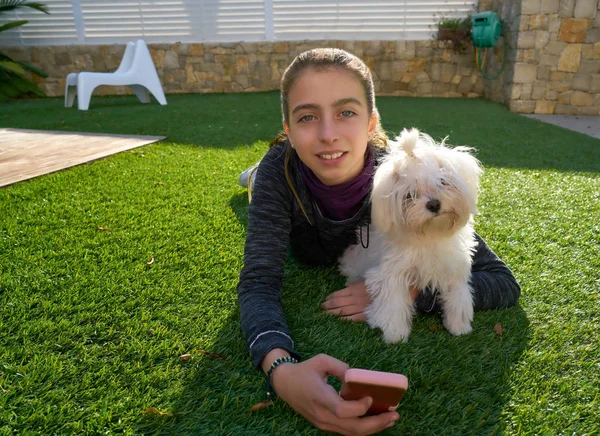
(343, 201)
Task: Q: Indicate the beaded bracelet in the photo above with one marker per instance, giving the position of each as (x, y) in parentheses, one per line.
(271, 395)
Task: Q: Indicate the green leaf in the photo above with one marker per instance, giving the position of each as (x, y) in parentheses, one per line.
(12, 66)
(12, 25)
(33, 69)
(8, 5)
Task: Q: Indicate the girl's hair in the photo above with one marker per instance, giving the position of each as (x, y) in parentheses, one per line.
(321, 59)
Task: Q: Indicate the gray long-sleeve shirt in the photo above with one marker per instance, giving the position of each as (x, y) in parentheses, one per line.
(276, 222)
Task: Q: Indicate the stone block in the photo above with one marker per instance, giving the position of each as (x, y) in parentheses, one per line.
(549, 6)
(587, 51)
(408, 77)
(424, 88)
(588, 110)
(581, 82)
(526, 90)
(590, 66)
(440, 88)
(542, 37)
(196, 50)
(549, 60)
(423, 77)
(543, 73)
(566, 8)
(551, 95)
(595, 83)
(526, 39)
(515, 92)
(529, 7)
(522, 106)
(596, 50)
(580, 98)
(592, 36)
(465, 86)
(573, 30)
(171, 60)
(448, 72)
(554, 24)
(538, 22)
(417, 65)
(570, 59)
(539, 91)
(544, 107)
(565, 109)
(585, 9)
(565, 97)
(525, 73)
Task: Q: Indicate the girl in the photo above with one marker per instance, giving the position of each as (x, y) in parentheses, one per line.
(310, 192)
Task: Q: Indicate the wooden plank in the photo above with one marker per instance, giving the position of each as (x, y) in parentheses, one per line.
(25, 154)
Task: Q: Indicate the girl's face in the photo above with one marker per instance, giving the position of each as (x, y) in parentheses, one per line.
(329, 123)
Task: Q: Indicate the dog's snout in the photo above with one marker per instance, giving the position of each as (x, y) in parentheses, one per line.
(433, 206)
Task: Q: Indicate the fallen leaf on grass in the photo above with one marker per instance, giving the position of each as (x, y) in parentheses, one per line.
(155, 411)
(261, 405)
(433, 328)
(104, 229)
(218, 356)
(498, 329)
(150, 331)
(151, 261)
(185, 357)
(158, 183)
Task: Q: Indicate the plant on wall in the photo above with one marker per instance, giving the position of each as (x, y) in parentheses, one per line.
(456, 30)
(13, 74)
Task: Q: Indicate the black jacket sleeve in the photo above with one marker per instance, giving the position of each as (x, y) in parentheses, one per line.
(259, 289)
(493, 283)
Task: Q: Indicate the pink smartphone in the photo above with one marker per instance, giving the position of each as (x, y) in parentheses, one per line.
(386, 388)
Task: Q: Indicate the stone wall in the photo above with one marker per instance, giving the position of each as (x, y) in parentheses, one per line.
(557, 65)
(412, 68)
(552, 62)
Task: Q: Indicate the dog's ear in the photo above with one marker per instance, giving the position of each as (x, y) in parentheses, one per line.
(384, 207)
(470, 169)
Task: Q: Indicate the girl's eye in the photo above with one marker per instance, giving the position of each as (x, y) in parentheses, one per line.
(306, 118)
(347, 114)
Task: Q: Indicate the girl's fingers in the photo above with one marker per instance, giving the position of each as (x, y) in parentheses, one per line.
(356, 317)
(343, 302)
(347, 310)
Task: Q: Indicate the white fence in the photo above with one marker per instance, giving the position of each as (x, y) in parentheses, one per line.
(166, 21)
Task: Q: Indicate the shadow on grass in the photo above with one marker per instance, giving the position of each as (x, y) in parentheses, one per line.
(457, 385)
(502, 138)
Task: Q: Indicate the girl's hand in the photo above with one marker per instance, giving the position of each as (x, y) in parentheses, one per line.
(348, 303)
(304, 387)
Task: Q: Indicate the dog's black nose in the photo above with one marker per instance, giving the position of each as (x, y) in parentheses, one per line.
(433, 206)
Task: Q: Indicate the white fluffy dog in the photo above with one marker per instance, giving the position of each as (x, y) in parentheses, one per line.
(423, 201)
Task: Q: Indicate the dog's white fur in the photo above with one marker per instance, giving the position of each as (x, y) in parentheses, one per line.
(412, 245)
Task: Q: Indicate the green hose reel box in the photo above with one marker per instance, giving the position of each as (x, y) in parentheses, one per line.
(486, 29)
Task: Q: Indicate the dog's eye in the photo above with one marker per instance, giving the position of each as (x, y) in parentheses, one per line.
(408, 196)
(444, 182)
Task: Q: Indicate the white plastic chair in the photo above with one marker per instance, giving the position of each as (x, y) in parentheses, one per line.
(136, 70)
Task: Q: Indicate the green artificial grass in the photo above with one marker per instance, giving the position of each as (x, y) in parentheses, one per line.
(91, 333)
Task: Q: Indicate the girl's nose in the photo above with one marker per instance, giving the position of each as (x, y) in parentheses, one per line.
(328, 132)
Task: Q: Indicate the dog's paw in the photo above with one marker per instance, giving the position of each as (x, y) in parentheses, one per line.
(457, 326)
(393, 336)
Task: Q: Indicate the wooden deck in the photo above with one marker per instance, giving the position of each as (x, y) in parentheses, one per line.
(25, 154)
